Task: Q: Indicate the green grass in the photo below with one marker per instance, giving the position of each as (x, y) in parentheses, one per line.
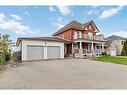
(118, 60)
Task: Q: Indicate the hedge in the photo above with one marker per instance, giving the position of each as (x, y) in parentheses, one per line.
(17, 56)
(2, 59)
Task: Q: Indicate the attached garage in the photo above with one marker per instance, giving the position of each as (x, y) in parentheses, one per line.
(53, 52)
(35, 52)
(41, 48)
(113, 52)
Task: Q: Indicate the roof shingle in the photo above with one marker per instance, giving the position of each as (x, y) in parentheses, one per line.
(114, 37)
(76, 25)
(44, 38)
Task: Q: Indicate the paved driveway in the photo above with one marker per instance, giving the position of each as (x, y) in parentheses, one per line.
(65, 74)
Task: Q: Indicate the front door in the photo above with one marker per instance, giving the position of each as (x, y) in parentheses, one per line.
(69, 48)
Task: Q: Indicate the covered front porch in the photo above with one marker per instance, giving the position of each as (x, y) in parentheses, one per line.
(86, 48)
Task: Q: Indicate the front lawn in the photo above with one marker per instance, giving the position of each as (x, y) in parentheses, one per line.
(118, 60)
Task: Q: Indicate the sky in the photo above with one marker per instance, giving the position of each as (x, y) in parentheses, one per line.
(29, 21)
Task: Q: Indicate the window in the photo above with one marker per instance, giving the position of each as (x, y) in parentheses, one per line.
(86, 28)
(75, 35)
(80, 34)
(58, 36)
(82, 26)
(122, 42)
(90, 35)
(90, 27)
(62, 36)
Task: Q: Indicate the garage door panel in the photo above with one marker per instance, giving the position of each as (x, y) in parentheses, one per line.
(35, 52)
(53, 52)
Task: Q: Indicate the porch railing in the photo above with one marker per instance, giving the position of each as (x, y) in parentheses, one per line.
(94, 51)
(87, 37)
(89, 51)
(76, 50)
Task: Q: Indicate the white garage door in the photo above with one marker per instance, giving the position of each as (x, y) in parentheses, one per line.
(35, 52)
(53, 52)
(113, 52)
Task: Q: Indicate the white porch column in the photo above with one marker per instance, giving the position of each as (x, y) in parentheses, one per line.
(92, 48)
(65, 49)
(72, 49)
(80, 50)
(102, 47)
(80, 45)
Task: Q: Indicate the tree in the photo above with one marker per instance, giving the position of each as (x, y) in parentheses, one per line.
(124, 50)
(123, 53)
(4, 46)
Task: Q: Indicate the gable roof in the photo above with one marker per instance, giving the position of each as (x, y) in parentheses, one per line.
(108, 43)
(75, 25)
(90, 22)
(114, 37)
(100, 35)
(43, 39)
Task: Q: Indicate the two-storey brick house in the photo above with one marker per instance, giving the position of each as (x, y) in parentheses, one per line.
(83, 39)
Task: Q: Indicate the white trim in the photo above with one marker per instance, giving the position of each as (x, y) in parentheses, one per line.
(88, 41)
(45, 52)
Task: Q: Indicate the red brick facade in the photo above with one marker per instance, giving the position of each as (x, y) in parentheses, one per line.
(68, 34)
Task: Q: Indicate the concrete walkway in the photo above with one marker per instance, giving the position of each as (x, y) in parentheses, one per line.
(65, 74)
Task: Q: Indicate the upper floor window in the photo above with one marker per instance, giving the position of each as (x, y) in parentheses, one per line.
(90, 35)
(80, 34)
(86, 28)
(62, 36)
(55, 36)
(82, 26)
(58, 36)
(75, 36)
(90, 27)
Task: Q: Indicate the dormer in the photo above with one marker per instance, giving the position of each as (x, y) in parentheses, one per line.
(89, 25)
